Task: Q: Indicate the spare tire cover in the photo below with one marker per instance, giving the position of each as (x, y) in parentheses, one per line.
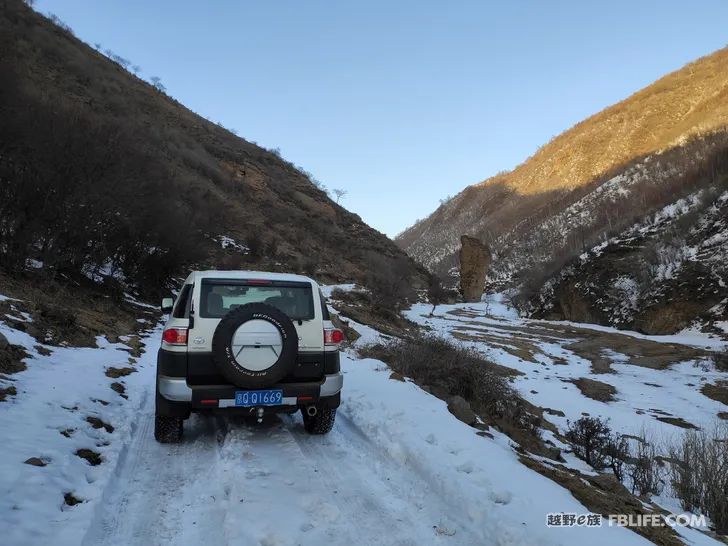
(255, 345)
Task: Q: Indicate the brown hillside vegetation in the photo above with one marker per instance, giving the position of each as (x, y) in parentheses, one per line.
(691, 101)
(599, 178)
(101, 172)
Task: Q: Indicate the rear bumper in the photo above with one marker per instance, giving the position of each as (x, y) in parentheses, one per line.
(176, 389)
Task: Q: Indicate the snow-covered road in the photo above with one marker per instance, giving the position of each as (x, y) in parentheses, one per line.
(232, 482)
(397, 469)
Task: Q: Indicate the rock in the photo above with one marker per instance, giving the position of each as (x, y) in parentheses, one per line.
(71, 500)
(35, 461)
(552, 411)
(4, 343)
(93, 458)
(475, 258)
(460, 408)
(396, 376)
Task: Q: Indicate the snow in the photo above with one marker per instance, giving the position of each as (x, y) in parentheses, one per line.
(130, 298)
(690, 337)
(642, 394)
(327, 289)
(99, 274)
(398, 468)
(56, 393)
(229, 242)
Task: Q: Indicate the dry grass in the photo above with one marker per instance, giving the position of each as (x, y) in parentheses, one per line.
(717, 391)
(447, 369)
(69, 312)
(116, 373)
(11, 359)
(690, 101)
(7, 391)
(603, 494)
(596, 390)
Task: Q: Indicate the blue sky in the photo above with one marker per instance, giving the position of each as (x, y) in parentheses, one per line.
(401, 103)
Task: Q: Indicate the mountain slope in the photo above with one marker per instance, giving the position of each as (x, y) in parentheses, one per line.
(102, 174)
(591, 183)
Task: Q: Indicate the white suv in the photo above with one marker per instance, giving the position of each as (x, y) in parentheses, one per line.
(251, 342)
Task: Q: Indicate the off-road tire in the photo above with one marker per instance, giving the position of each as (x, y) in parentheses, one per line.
(236, 373)
(168, 430)
(321, 423)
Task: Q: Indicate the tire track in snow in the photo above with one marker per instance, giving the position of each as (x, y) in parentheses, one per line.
(390, 495)
(269, 485)
(139, 504)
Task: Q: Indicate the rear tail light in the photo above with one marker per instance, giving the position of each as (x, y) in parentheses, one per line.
(333, 336)
(175, 336)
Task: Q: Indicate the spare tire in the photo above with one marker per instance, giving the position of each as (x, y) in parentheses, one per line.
(255, 345)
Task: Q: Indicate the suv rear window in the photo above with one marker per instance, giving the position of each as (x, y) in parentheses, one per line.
(219, 296)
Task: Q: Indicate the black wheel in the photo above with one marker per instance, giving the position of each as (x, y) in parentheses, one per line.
(321, 423)
(168, 430)
(255, 345)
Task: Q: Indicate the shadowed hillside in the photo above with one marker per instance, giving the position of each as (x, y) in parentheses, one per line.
(105, 176)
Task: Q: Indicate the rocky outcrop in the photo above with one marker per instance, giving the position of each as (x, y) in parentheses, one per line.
(460, 408)
(475, 260)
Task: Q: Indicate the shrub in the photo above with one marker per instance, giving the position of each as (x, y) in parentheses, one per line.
(590, 438)
(352, 297)
(699, 473)
(388, 279)
(457, 370)
(436, 293)
(107, 208)
(645, 469)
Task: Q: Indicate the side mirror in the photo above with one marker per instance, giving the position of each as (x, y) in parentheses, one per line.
(167, 304)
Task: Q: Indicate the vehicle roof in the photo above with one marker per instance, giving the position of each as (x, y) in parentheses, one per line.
(238, 274)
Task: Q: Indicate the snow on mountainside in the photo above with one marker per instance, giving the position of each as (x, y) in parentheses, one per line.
(662, 274)
(589, 184)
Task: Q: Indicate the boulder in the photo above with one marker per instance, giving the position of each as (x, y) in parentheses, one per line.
(475, 258)
(460, 408)
(35, 461)
(4, 343)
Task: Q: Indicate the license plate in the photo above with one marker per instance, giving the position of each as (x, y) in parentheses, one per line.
(271, 397)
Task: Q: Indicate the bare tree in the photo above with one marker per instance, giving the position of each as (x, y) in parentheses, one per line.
(157, 83)
(339, 193)
(97, 46)
(118, 59)
(436, 293)
(136, 68)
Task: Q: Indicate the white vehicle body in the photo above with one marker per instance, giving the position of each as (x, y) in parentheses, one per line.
(227, 336)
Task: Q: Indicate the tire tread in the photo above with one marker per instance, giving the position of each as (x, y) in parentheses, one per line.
(168, 430)
(321, 423)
